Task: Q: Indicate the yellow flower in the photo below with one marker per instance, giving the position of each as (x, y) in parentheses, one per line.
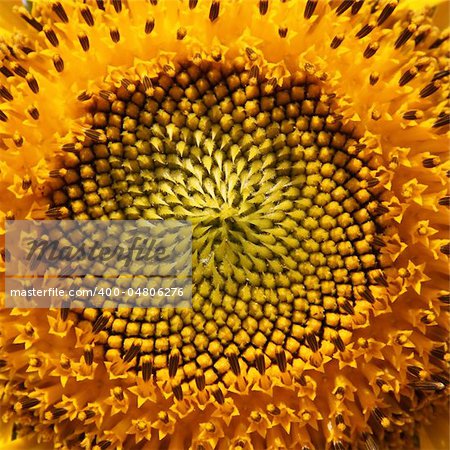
(307, 142)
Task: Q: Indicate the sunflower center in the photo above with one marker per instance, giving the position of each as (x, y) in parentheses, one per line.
(280, 203)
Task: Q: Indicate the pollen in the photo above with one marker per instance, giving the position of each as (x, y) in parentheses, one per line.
(306, 143)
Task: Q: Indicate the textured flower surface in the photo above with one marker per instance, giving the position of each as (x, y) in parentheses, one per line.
(307, 143)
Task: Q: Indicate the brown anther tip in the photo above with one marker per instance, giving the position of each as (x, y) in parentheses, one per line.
(51, 36)
(31, 20)
(3, 116)
(386, 12)
(263, 7)
(273, 409)
(411, 115)
(312, 342)
(32, 83)
(88, 355)
(214, 10)
(408, 76)
(87, 16)
(365, 30)
(444, 119)
(218, 395)
(373, 79)
(114, 34)
(181, 33)
(177, 392)
(357, 5)
(193, 4)
(101, 322)
(427, 386)
(282, 32)
(174, 359)
(444, 298)
(5, 94)
(100, 4)
(58, 63)
(371, 49)
(430, 89)
(234, 363)
(367, 295)
(281, 359)
(441, 74)
(84, 41)
(445, 249)
(33, 112)
(337, 41)
(60, 12)
(345, 4)
(260, 363)
(149, 25)
(133, 351)
(117, 4)
(200, 380)
(26, 182)
(339, 343)
(310, 8)
(147, 367)
(404, 36)
(444, 201)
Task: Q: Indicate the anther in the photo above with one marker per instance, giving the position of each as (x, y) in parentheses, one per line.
(310, 8)
(387, 11)
(33, 112)
(412, 114)
(58, 63)
(181, 33)
(282, 32)
(338, 445)
(101, 322)
(367, 295)
(17, 139)
(234, 363)
(95, 136)
(378, 242)
(214, 10)
(32, 83)
(57, 413)
(405, 35)
(280, 356)
(192, 4)
(101, 4)
(380, 417)
(348, 307)
(263, 7)
(373, 78)
(408, 76)
(84, 41)
(88, 355)
(445, 249)
(218, 395)
(26, 183)
(357, 6)
(337, 41)
(200, 380)
(260, 363)
(430, 89)
(84, 96)
(132, 352)
(441, 74)
(147, 367)
(103, 445)
(3, 117)
(148, 85)
(311, 340)
(346, 4)
(273, 409)
(339, 343)
(26, 403)
(371, 49)
(51, 36)
(427, 386)
(115, 34)
(444, 298)
(117, 4)
(429, 163)
(87, 16)
(19, 70)
(149, 25)
(177, 392)
(58, 9)
(174, 359)
(72, 147)
(31, 21)
(443, 120)
(365, 30)
(6, 72)
(438, 42)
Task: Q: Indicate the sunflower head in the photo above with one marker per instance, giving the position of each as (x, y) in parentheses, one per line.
(307, 144)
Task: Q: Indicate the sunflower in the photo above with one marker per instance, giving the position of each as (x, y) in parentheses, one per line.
(307, 143)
